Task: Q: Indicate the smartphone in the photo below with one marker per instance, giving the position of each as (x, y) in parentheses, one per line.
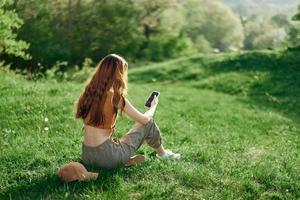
(148, 102)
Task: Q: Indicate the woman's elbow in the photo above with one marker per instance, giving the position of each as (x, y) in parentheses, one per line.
(145, 120)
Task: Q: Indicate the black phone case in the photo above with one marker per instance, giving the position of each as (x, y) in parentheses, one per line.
(148, 102)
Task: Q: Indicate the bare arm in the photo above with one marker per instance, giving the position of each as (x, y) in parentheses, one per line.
(152, 109)
(136, 115)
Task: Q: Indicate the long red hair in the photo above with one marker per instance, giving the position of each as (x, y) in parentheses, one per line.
(111, 72)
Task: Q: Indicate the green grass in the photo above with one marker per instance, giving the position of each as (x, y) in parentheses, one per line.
(233, 117)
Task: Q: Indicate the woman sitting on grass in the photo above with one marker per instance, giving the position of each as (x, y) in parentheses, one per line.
(98, 106)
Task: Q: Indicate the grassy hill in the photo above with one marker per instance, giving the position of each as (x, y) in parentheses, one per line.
(233, 117)
(267, 78)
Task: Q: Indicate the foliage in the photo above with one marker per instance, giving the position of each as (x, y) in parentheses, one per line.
(294, 35)
(215, 22)
(9, 23)
(61, 72)
(265, 8)
(202, 45)
(297, 16)
(68, 31)
(161, 23)
(270, 39)
(160, 47)
(294, 32)
(73, 30)
(263, 33)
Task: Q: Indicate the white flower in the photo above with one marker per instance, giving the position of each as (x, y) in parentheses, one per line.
(46, 128)
(46, 119)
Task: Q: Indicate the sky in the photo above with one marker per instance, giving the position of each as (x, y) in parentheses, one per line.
(263, 7)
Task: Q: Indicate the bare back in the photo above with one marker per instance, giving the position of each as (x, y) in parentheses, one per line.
(96, 135)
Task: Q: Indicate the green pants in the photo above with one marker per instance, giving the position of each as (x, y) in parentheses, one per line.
(111, 154)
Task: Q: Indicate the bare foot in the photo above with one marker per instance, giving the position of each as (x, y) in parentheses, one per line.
(135, 160)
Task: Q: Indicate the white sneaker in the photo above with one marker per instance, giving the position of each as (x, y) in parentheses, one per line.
(169, 155)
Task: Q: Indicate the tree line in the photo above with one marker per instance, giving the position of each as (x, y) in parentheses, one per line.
(35, 35)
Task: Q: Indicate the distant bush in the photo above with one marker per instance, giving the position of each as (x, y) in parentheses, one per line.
(161, 47)
(83, 74)
(9, 23)
(202, 45)
(264, 33)
(215, 22)
(273, 38)
(294, 31)
(59, 71)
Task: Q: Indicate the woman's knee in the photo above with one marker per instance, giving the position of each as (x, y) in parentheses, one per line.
(153, 138)
(154, 127)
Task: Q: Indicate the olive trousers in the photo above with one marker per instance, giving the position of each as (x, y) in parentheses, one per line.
(113, 153)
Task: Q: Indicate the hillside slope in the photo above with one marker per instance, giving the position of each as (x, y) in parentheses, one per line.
(269, 79)
(233, 117)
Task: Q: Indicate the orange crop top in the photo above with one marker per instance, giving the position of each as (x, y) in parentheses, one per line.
(109, 115)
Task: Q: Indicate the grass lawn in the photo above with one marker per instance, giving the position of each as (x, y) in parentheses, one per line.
(233, 117)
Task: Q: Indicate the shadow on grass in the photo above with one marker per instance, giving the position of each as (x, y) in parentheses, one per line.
(270, 79)
(49, 186)
(279, 90)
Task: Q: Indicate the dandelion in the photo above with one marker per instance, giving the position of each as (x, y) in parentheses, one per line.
(46, 128)
(46, 119)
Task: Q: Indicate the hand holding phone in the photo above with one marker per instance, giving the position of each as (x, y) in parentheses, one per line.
(150, 99)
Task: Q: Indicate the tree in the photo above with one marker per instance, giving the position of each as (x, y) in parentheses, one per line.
(71, 30)
(155, 16)
(41, 26)
(271, 39)
(297, 16)
(294, 32)
(9, 23)
(112, 27)
(215, 22)
(161, 22)
(266, 32)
